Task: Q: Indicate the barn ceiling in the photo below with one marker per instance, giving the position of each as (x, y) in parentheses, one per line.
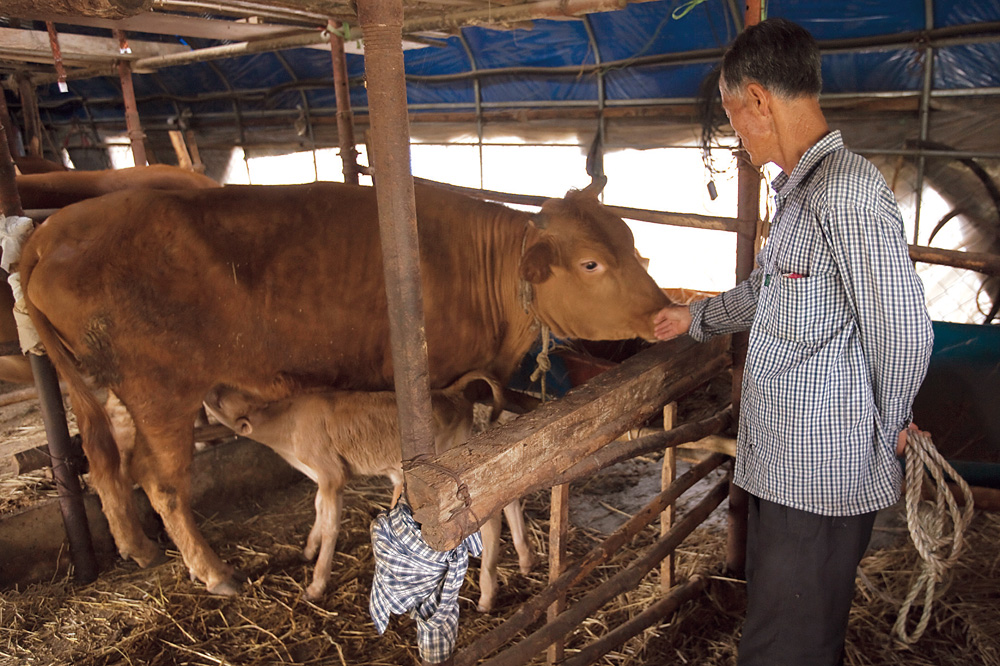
(472, 56)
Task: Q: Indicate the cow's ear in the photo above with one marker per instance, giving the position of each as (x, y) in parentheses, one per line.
(244, 426)
(539, 220)
(537, 261)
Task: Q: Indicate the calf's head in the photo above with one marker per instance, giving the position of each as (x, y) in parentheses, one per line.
(231, 408)
(586, 275)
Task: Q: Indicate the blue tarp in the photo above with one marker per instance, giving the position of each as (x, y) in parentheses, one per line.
(623, 39)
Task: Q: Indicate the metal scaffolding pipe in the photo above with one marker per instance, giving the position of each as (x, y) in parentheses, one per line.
(382, 22)
(345, 119)
(61, 450)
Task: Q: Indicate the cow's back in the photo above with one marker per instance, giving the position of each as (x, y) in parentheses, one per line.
(244, 283)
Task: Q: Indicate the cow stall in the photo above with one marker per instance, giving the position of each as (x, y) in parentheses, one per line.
(550, 425)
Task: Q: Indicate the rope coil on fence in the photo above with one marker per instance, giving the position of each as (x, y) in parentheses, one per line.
(938, 542)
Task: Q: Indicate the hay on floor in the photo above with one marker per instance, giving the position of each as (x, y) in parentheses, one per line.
(157, 617)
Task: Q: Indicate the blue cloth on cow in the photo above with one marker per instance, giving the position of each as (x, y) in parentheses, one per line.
(411, 576)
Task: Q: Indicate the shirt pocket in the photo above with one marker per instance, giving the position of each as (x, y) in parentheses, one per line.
(806, 309)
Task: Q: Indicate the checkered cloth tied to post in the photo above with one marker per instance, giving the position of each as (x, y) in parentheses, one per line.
(412, 577)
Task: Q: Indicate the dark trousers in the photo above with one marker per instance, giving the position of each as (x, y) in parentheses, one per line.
(800, 584)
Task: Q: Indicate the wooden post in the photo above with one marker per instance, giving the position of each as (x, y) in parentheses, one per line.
(667, 476)
(180, 149)
(29, 112)
(749, 214)
(134, 126)
(7, 124)
(558, 529)
(345, 119)
(61, 452)
(382, 22)
(192, 145)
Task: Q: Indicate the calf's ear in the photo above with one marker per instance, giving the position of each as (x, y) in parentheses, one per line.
(536, 264)
(244, 426)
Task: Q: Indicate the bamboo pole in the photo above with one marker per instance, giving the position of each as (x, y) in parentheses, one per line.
(668, 474)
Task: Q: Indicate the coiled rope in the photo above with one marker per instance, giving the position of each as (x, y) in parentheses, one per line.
(937, 528)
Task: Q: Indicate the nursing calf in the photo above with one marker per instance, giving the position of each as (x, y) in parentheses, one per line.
(331, 435)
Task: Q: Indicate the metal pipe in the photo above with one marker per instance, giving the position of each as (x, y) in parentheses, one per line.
(382, 22)
(925, 114)
(241, 9)
(345, 119)
(477, 91)
(61, 451)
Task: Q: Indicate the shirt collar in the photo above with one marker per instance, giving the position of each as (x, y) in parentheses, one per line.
(831, 142)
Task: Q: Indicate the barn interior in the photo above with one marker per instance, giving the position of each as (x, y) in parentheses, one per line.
(214, 85)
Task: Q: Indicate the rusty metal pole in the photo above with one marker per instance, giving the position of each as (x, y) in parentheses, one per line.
(748, 212)
(382, 22)
(135, 134)
(61, 450)
(345, 119)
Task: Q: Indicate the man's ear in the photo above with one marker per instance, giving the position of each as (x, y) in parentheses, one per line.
(537, 262)
(758, 98)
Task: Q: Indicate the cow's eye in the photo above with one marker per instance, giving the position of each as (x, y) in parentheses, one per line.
(591, 266)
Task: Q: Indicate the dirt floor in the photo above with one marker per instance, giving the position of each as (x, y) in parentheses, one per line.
(158, 617)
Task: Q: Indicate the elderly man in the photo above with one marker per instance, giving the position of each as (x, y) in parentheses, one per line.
(839, 343)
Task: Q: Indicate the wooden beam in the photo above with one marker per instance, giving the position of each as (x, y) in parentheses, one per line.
(981, 262)
(77, 50)
(713, 443)
(155, 23)
(452, 496)
(103, 8)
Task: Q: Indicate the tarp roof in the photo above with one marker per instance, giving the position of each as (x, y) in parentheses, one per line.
(646, 52)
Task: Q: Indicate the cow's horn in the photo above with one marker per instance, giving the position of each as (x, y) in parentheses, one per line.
(596, 186)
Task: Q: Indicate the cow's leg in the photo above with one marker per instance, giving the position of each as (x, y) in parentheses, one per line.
(488, 571)
(329, 503)
(162, 465)
(518, 534)
(116, 493)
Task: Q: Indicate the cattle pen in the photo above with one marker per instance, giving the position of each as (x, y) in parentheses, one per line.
(643, 594)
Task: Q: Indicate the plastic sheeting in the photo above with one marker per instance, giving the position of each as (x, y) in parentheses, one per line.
(638, 31)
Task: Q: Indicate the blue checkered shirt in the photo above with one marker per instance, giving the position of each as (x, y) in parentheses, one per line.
(839, 342)
(411, 576)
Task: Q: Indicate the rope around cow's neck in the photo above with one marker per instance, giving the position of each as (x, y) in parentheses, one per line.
(927, 523)
(527, 296)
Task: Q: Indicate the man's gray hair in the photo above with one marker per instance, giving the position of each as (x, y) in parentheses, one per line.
(779, 55)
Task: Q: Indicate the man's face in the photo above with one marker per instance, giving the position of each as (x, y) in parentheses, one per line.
(748, 125)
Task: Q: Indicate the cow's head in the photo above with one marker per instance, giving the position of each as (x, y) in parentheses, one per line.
(587, 279)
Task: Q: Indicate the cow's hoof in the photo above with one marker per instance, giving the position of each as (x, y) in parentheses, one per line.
(224, 588)
(315, 592)
(527, 564)
(485, 606)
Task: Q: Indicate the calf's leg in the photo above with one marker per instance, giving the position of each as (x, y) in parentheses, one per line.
(518, 534)
(329, 504)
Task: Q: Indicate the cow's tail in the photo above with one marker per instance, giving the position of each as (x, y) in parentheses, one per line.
(92, 420)
(460, 384)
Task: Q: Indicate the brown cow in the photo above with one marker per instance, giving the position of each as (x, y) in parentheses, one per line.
(55, 190)
(162, 295)
(332, 434)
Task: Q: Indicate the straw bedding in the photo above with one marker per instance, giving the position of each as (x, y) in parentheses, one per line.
(157, 616)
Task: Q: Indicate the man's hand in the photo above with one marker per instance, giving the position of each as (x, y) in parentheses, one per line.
(672, 321)
(901, 439)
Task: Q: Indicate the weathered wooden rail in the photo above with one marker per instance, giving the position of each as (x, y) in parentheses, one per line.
(453, 493)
